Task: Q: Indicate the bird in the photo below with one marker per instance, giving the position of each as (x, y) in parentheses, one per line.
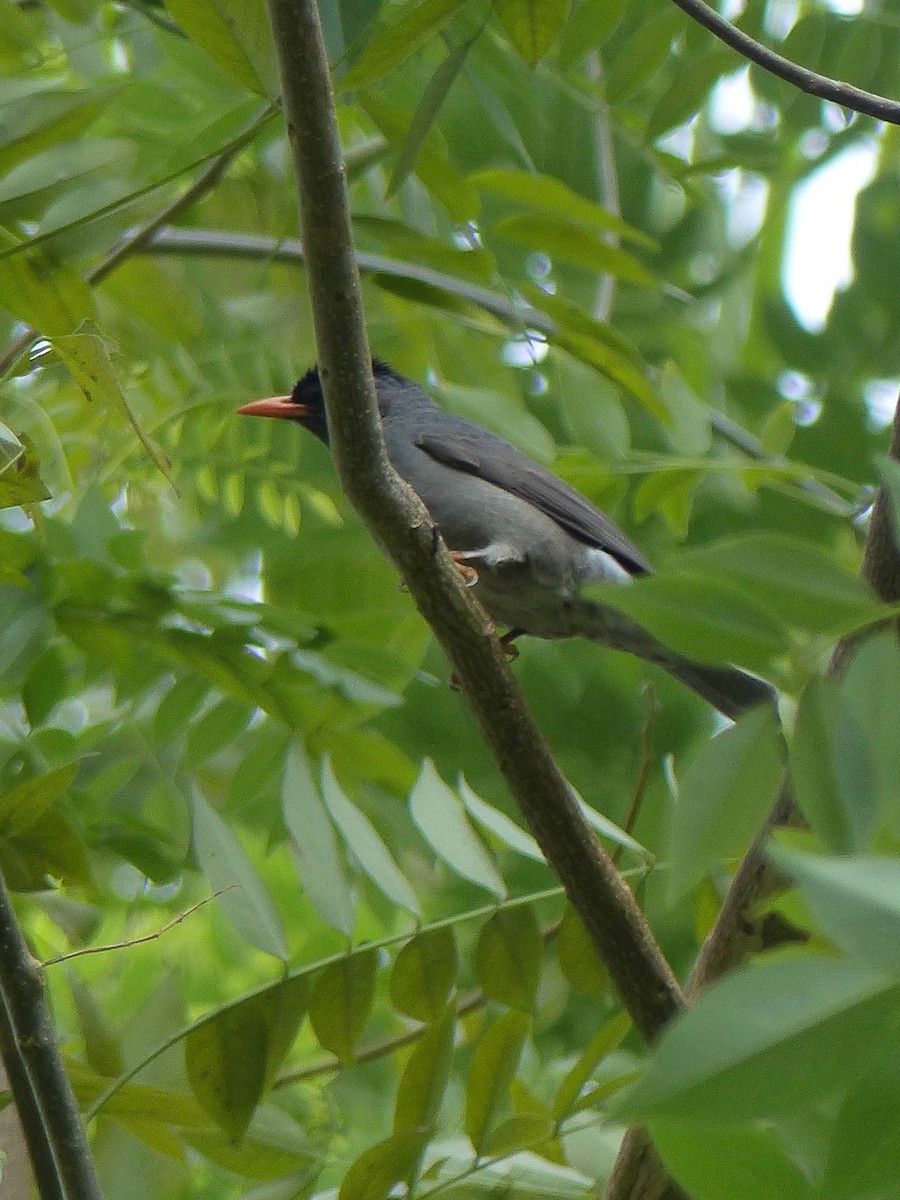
(525, 541)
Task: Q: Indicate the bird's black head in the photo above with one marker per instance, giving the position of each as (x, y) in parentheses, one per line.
(306, 403)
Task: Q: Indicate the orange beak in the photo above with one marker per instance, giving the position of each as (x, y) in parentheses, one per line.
(275, 406)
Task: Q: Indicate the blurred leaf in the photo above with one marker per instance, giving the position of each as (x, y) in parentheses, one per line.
(578, 958)
(731, 1162)
(856, 900)
(379, 1169)
(441, 819)
(32, 124)
(863, 1157)
(574, 243)
(642, 55)
(727, 790)
(397, 42)
(712, 1064)
(508, 958)
(494, 1064)
(423, 974)
(51, 298)
(701, 616)
(608, 1038)
(688, 92)
(532, 25)
(365, 843)
(548, 195)
(315, 846)
(235, 34)
(24, 805)
(86, 356)
(795, 580)
(342, 1002)
(427, 112)
(589, 26)
(433, 165)
(831, 768)
(245, 899)
(20, 481)
(217, 728)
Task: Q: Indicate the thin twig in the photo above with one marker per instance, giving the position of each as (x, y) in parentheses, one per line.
(147, 937)
(645, 764)
(810, 82)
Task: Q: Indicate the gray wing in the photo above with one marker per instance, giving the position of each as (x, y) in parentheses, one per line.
(468, 447)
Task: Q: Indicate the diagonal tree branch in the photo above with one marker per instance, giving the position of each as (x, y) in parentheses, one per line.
(401, 525)
(810, 82)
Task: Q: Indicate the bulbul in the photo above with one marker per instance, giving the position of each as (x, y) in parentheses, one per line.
(526, 541)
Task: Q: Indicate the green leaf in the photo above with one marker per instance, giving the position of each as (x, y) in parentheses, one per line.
(423, 974)
(856, 900)
(494, 1065)
(394, 44)
(23, 805)
(342, 1000)
(832, 769)
(20, 481)
(232, 1057)
(379, 1169)
(433, 165)
(551, 196)
(703, 617)
(508, 958)
(889, 470)
(642, 55)
(727, 790)
(245, 899)
(315, 846)
(35, 122)
(499, 824)
(86, 356)
(578, 958)
(607, 1039)
(589, 26)
(365, 843)
(217, 728)
(532, 25)
(714, 1064)
(441, 819)
(423, 1082)
(518, 1132)
(688, 92)
(864, 1147)
(52, 299)
(235, 34)
(573, 243)
(871, 690)
(795, 580)
(732, 1162)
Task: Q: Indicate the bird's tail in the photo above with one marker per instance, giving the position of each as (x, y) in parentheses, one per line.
(728, 689)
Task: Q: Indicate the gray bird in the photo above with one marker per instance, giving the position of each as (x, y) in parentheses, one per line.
(523, 539)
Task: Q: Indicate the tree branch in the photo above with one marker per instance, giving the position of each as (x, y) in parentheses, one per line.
(810, 82)
(215, 244)
(50, 1117)
(401, 525)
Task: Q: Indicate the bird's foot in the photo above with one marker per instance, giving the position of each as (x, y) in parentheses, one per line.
(511, 652)
(469, 574)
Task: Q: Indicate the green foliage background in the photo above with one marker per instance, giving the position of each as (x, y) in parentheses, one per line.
(211, 680)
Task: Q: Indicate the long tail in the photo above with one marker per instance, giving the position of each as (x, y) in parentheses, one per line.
(728, 689)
